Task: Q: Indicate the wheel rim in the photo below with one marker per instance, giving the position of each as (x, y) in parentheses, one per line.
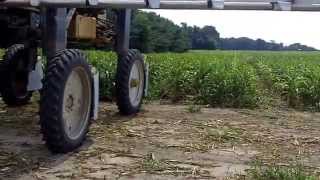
(76, 102)
(136, 83)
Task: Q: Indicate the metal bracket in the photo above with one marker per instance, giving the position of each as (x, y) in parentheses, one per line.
(69, 17)
(216, 4)
(35, 77)
(95, 98)
(284, 5)
(146, 73)
(153, 4)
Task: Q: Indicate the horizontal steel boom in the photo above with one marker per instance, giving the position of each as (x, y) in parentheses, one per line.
(285, 5)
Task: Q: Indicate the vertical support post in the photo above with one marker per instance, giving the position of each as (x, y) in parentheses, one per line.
(123, 31)
(31, 44)
(54, 29)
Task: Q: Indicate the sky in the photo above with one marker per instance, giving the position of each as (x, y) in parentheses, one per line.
(285, 27)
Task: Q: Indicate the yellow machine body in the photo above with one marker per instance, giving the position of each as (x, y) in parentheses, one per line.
(83, 27)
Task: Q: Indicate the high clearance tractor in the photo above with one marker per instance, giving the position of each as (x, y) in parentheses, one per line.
(68, 85)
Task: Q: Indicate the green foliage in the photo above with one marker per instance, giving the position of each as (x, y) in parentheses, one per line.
(279, 173)
(106, 63)
(231, 84)
(225, 78)
(293, 76)
(203, 78)
(151, 164)
(152, 33)
(192, 108)
(1, 52)
(204, 38)
(244, 43)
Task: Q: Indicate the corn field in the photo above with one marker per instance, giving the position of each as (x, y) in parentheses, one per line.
(225, 78)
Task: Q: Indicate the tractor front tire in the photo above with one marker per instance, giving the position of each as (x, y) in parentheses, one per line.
(66, 101)
(130, 82)
(14, 76)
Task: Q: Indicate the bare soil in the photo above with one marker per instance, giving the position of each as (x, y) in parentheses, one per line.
(162, 142)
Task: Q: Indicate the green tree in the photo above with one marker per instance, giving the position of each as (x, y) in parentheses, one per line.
(152, 33)
(140, 33)
(205, 38)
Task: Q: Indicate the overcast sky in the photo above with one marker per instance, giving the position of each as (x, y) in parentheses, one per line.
(286, 27)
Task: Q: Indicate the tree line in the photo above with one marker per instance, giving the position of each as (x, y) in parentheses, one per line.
(152, 33)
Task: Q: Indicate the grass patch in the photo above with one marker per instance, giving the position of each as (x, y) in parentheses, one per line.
(192, 108)
(221, 135)
(276, 172)
(1, 52)
(151, 164)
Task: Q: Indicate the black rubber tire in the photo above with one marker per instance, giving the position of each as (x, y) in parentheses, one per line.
(122, 82)
(51, 104)
(14, 70)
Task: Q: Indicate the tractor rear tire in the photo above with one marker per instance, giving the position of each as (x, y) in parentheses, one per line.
(130, 82)
(14, 76)
(66, 101)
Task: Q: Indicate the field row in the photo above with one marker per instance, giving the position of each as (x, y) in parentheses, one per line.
(225, 78)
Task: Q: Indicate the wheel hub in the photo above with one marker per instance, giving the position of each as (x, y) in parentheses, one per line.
(69, 103)
(136, 83)
(76, 102)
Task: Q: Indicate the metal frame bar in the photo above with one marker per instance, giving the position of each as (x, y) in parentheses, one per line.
(54, 30)
(69, 17)
(123, 31)
(31, 43)
(295, 5)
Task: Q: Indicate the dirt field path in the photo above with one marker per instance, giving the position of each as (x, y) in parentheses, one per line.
(162, 142)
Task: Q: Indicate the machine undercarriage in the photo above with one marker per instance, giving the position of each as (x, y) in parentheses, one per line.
(68, 84)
